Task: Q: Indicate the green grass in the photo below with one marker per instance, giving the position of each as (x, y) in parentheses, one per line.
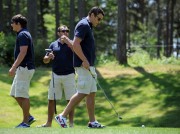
(148, 95)
(83, 130)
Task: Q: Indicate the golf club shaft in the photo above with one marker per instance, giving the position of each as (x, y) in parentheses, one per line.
(55, 110)
(112, 106)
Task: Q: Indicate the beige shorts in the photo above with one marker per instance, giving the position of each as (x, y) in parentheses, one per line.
(62, 83)
(86, 82)
(21, 82)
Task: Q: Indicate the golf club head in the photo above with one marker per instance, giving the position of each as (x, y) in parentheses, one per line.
(119, 118)
(48, 50)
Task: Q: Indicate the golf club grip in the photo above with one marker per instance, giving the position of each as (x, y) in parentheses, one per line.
(55, 110)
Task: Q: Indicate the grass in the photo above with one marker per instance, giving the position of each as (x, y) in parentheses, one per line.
(148, 95)
(83, 130)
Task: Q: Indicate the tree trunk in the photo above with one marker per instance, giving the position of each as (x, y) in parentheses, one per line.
(57, 14)
(121, 33)
(43, 7)
(17, 7)
(72, 19)
(167, 30)
(1, 15)
(173, 2)
(81, 9)
(8, 14)
(32, 18)
(159, 26)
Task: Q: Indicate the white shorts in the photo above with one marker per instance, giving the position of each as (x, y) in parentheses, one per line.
(21, 82)
(86, 82)
(60, 83)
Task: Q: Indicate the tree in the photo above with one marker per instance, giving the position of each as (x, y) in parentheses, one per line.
(173, 2)
(1, 15)
(121, 32)
(72, 18)
(159, 26)
(81, 9)
(17, 7)
(43, 6)
(32, 18)
(57, 14)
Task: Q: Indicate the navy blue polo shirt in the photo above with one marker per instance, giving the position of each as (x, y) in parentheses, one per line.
(63, 60)
(84, 31)
(24, 39)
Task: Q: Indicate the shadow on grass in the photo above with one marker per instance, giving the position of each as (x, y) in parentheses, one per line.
(166, 96)
(168, 93)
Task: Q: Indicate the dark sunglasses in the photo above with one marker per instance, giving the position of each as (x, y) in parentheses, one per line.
(63, 31)
(99, 19)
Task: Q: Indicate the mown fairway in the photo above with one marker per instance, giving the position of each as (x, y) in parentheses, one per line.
(83, 130)
(148, 95)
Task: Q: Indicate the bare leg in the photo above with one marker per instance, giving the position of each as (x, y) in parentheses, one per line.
(76, 98)
(24, 103)
(90, 104)
(71, 117)
(50, 113)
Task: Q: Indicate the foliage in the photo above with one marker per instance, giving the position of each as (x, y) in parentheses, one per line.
(144, 39)
(104, 59)
(50, 25)
(139, 58)
(39, 50)
(6, 47)
(2, 44)
(141, 22)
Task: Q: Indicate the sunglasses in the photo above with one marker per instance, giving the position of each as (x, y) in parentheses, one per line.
(63, 31)
(99, 19)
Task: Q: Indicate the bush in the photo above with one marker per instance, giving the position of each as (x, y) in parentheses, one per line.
(39, 50)
(7, 49)
(139, 58)
(104, 58)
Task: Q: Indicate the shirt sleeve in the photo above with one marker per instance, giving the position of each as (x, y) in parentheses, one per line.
(23, 39)
(81, 31)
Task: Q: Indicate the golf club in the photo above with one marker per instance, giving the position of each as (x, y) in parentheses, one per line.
(112, 106)
(55, 110)
(48, 50)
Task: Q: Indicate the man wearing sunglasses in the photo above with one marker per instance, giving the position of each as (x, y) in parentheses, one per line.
(63, 78)
(84, 48)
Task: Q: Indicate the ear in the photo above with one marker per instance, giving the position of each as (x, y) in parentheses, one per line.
(57, 33)
(92, 15)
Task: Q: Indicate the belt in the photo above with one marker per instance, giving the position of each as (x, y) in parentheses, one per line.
(29, 68)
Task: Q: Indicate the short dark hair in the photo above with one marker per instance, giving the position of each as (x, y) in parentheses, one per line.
(21, 19)
(62, 27)
(96, 11)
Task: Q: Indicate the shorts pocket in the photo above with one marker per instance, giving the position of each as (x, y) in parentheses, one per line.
(81, 84)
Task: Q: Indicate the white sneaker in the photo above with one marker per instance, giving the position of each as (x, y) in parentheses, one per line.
(95, 124)
(61, 121)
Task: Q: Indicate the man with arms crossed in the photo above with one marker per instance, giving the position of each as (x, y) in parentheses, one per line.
(23, 68)
(84, 48)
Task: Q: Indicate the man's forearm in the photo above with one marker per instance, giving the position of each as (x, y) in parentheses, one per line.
(19, 59)
(78, 50)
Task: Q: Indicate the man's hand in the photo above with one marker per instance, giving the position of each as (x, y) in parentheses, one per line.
(12, 71)
(85, 64)
(51, 56)
(48, 57)
(64, 39)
